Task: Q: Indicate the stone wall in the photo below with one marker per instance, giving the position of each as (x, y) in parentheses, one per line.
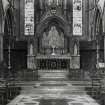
(19, 5)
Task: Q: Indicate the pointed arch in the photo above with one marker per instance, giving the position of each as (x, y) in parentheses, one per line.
(63, 25)
(1, 17)
(103, 18)
(97, 23)
(9, 20)
(98, 32)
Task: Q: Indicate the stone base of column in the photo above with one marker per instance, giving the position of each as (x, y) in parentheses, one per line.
(31, 62)
(75, 62)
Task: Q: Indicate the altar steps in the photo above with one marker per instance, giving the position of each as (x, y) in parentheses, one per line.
(53, 87)
(53, 75)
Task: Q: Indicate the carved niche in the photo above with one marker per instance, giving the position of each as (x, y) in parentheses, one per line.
(53, 38)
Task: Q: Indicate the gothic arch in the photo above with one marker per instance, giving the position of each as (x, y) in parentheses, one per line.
(9, 21)
(1, 18)
(98, 31)
(103, 19)
(50, 20)
(97, 22)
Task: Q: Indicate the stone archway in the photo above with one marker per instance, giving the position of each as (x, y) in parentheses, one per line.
(98, 35)
(97, 20)
(45, 23)
(61, 26)
(8, 34)
(103, 20)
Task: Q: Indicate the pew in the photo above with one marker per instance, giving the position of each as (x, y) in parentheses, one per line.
(8, 92)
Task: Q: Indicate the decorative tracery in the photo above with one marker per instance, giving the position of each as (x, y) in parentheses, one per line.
(56, 2)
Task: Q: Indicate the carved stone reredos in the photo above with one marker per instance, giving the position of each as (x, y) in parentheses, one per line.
(49, 19)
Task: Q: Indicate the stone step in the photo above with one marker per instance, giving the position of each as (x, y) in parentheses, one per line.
(75, 83)
(53, 74)
(54, 89)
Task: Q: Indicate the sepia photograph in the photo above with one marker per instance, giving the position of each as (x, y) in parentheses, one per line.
(52, 52)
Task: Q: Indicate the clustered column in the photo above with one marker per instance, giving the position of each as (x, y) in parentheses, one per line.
(1, 47)
(104, 49)
(32, 51)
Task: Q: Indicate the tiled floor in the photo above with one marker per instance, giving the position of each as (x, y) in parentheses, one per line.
(53, 100)
(52, 94)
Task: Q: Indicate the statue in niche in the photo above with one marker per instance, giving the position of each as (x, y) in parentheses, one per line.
(75, 49)
(31, 49)
(54, 38)
(61, 40)
(44, 40)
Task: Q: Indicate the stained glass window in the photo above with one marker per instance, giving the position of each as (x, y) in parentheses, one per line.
(29, 17)
(57, 2)
(77, 17)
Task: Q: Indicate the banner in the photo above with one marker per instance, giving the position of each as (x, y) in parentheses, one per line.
(29, 17)
(77, 17)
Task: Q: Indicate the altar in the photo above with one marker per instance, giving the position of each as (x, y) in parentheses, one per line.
(50, 62)
(54, 51)
(56, 54)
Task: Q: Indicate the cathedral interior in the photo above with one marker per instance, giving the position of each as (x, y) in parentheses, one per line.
(52, 52)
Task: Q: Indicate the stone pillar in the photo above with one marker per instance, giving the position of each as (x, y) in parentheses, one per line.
(35, 46)
(31, 56)
(65, 7)
(97, 51)
(75, 57)
(104, 49)
(35, 51)
(103, 80)
(1, 47)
